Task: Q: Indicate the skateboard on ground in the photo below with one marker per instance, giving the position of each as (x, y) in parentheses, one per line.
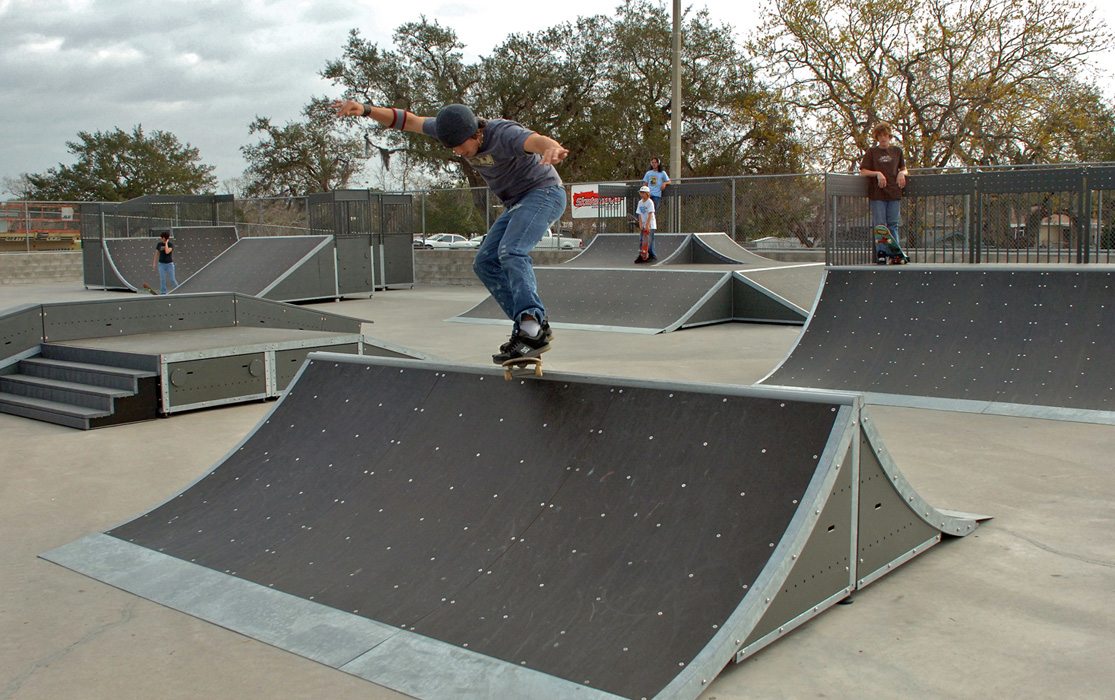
(644, 244)
(521, 364)
(148, 288)
(887, 249)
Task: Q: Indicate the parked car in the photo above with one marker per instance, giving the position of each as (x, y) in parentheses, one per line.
(444, 240)
(552, 241)
(472, 243)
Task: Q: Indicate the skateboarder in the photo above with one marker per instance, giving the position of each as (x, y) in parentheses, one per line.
(644, 212)
(518, 166)
(164, 261)
(886, 167)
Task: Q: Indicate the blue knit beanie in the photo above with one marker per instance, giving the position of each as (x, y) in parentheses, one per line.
(455, 124)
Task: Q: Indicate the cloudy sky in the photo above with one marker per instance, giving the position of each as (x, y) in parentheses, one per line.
(203, 69)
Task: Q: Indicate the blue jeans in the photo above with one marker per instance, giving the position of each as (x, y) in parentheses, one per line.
(503, 262)
(887, 213)
(166, 270)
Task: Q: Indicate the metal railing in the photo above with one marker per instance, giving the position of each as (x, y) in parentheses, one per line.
(1058, 214)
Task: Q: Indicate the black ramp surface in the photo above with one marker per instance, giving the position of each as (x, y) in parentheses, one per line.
(609, 250)
(637, 301)
(1038, 337)
(598, 533)
(194, 248)
(253, 265)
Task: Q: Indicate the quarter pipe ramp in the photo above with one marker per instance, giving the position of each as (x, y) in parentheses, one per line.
(1026, 340)
(448, 534)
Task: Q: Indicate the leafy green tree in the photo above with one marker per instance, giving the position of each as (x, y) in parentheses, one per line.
(962, 81)
(115, 166)
(601, 86)
(314, 155)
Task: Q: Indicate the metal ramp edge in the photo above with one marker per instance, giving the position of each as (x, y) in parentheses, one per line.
(942, 401)
(853, 455)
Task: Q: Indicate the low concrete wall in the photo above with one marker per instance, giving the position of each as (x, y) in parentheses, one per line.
(31, 268)
(454, 267)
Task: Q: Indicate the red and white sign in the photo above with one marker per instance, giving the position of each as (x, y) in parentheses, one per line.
(587, 203)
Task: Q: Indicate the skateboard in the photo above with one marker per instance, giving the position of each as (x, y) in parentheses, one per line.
(521, 364)
(148, 288)
(887, 249)
(644, 244)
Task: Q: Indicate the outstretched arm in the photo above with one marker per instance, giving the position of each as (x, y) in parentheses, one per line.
(391, 118)
(551, 151)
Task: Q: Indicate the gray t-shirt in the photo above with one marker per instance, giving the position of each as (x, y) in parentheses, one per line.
(508, 169)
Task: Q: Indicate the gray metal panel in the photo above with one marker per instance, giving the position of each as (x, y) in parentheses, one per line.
(1029, 335)
(799, 284)
(252, 264)
(313, 277)
(637, 301)
(264, 313)
(313, 631)
(845, 185)
(354, 264)
(398, 260)
(824, 568)
(1031, 180)
(214, 379)
(131, 315)
(716, 306)
(940, 185)
(754, 302)
(288, 362)
(1101, 178)
(21, 329)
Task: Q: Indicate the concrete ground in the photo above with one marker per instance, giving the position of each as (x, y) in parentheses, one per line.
(1024, 608)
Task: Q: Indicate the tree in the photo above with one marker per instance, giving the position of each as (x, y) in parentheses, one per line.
(601, 86)
(116, 166)
(962, 81)
(314, 155)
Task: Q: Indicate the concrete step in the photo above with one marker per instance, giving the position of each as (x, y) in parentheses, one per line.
(49, 411)
(65, 392)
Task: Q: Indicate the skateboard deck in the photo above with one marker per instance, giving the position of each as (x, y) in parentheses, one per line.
(148, 288)
(522, 364)
(887, 248)
(644, 244)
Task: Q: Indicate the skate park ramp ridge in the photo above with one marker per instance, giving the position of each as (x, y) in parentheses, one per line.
(1030, 340)
(646, 300)
(128, 261)
(448, 534)
(280, 268)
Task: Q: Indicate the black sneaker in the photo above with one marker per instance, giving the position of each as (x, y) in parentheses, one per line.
(547, 333)
(522, 345)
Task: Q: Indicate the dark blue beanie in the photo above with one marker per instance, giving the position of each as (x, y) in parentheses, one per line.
(455, 124)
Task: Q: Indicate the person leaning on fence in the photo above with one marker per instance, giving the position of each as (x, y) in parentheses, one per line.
(518, 166)
(644, 212)
(164, 261)
(656, 179)
(886, 167)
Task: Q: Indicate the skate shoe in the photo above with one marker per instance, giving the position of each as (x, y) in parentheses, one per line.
(522, 345)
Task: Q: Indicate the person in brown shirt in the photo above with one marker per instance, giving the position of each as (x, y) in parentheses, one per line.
(886, 167)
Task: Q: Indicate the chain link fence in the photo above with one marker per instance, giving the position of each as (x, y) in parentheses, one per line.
(1017, 214)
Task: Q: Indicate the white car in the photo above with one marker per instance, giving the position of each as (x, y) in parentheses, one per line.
(445, 240)
(472, 243)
